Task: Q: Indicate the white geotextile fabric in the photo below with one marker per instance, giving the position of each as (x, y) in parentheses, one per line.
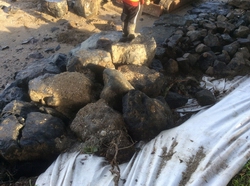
(206, 150)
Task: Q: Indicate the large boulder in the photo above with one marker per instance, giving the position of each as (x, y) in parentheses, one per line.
(87, 8)
(26, 134)
(145, 117)
(103, 131)
(67, 92)
(140, 51)
(96, 60)
(144, 79)
(115, 87)
(56, 8)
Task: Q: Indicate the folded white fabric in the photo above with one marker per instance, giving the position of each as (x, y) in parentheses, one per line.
(208, 150)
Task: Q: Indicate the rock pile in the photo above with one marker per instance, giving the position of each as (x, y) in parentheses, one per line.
(212, 39)
(108, 95)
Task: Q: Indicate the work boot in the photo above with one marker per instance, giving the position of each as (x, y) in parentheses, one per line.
(131, 31)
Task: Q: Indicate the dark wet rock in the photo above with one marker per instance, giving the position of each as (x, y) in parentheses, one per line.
(194, 35)
(183, 64)
(232, 48)
(206, 59)
(54, 65)
(205, 97)
(227, 38)
(156, 65)
(145, 117)
(144, 79)
(36, 139)
(175, 100)
(115, 87)
(210, 26)
(222, 17)
(102, 131)
(19, 109)
(221, 68)
(171, 66)
(242, 32)
(238, 61)
(244, 42)
(13, 92)
(192, 58)
(245, 52)
(225, 27)
(201, 48)
(159, 53)
(224, 56)
(213, 42)
(56, 8)
(174, 40)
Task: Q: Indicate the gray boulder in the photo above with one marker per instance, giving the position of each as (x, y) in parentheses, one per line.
(86, 8)
(140, 51)
(56, 8)
(144, 79)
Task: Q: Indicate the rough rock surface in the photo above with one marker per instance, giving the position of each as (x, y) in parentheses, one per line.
(68, 91)
(145, 117)
(102, 131)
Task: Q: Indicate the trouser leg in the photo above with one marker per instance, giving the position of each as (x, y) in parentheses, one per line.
(125, 29)
(129, 17)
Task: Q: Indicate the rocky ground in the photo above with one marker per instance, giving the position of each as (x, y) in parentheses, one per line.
(28, 34)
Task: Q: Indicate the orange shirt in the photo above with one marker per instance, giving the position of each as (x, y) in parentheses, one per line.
(132, 2)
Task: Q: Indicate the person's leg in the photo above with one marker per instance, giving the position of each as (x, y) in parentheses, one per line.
(132, 19)
(124, 19)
